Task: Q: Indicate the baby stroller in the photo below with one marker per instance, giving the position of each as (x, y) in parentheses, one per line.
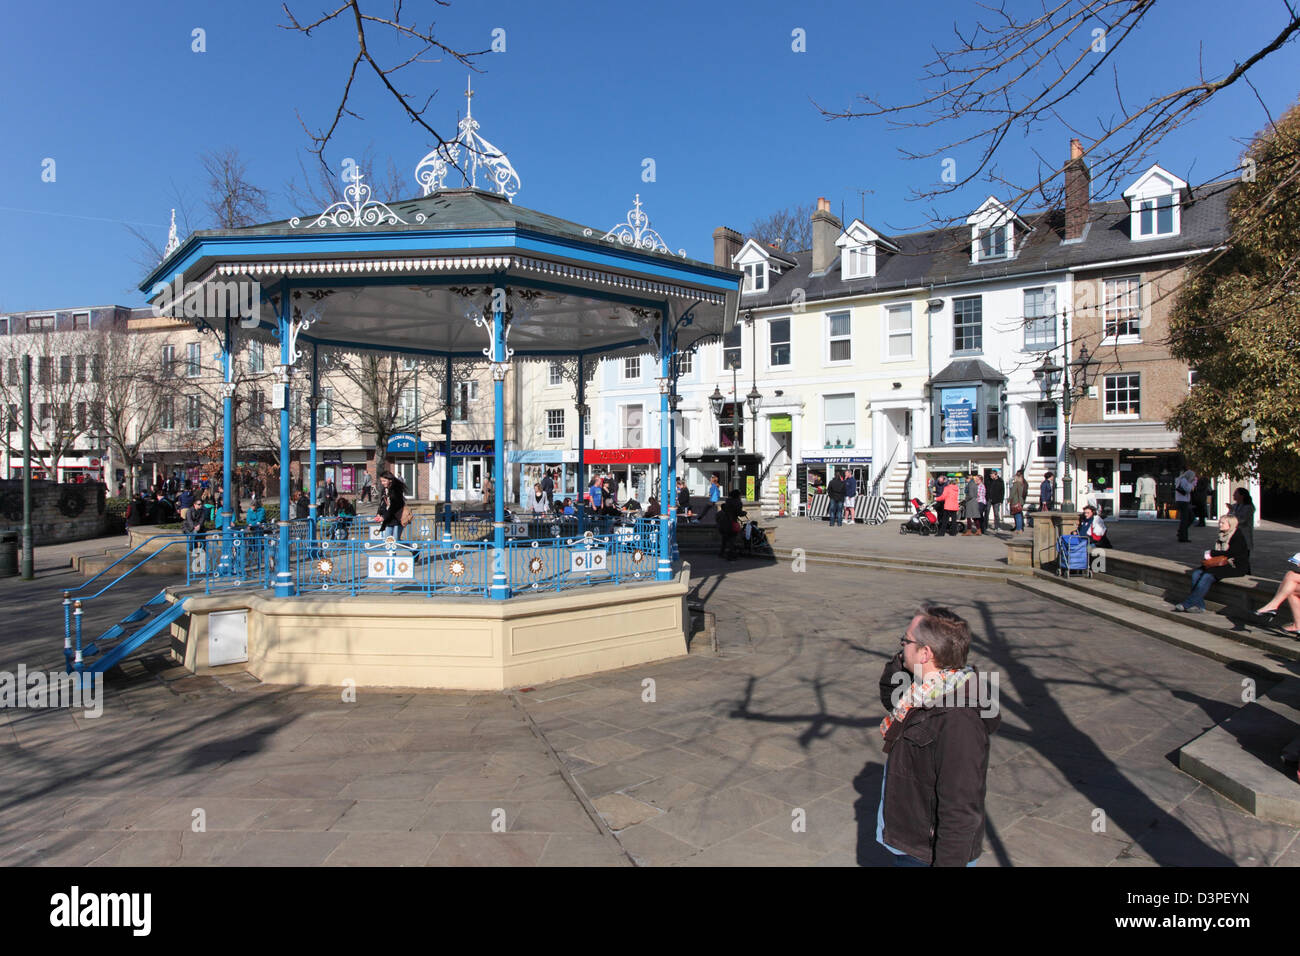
(924, 519)
(755, 540)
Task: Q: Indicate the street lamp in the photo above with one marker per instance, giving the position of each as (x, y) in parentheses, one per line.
(716, 401)
(755, 401)
(1049, 373)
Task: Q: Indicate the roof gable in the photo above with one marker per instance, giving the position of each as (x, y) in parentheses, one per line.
(1156, 181)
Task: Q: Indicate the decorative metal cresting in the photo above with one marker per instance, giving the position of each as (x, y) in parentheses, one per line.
(302, 321)
(173, 240)
(357, 208)
(636, 232)
(431, 171)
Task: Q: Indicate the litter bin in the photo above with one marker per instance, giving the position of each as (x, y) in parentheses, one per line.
(8, 554)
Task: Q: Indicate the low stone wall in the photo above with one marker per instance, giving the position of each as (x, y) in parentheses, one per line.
(60, 512)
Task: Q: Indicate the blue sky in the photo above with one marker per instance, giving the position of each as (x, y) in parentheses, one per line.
(584, 92)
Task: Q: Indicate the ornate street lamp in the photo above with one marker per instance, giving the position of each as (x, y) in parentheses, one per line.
(1049, 374)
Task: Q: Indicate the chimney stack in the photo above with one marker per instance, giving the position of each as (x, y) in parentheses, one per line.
(825, 230)
(726, 244)
(1077, 192)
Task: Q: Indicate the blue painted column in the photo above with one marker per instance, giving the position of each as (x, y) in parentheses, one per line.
(669, 486)
(283, 576)
(446, 484)
(227, 456)
(500, 589)
(313, 504)
(665, 569)
(582, 446)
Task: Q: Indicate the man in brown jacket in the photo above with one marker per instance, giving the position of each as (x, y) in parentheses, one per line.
(941, 716)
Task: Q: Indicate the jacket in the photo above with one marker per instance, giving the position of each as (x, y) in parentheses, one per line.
(391, 513)
(1046, 492)
(948, 497)
(935, 777)
(835, 490)
(971, 500)
(1184, 486)
(996, 490)
(1237, 553)
(1019, 491)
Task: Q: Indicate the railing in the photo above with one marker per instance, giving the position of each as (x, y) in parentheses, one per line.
(884, 472)
(624, 553)
(352, 566)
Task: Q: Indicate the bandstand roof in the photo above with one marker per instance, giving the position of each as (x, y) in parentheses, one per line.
(403, 277)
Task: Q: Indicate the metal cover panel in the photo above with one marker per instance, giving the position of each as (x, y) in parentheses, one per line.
(227, 637)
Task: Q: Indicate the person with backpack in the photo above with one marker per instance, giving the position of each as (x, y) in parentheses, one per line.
(392, 504)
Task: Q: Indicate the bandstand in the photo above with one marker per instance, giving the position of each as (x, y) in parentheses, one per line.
(459, 273)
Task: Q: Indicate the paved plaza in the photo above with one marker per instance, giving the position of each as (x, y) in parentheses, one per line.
(765, 753)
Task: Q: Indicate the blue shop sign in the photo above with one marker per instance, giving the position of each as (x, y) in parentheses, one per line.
(405, 445)
(828, 460)
(471, 449)
(958, 409)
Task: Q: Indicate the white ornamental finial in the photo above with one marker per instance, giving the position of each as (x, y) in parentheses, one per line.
(636, 232)
(173, 242)
(431, 171)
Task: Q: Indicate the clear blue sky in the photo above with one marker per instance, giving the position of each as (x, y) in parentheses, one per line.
(584, 92)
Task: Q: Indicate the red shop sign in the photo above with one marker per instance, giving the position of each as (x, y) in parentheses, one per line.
(621, 456)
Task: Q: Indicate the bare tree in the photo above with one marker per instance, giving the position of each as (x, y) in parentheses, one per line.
(65, 377)
(318, 189)
(788, 229)
(131, 395)
(1014, 75)
(232, 201)
(406, 35)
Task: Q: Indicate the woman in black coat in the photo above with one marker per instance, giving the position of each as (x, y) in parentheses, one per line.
(1229, 558)
(392, 503)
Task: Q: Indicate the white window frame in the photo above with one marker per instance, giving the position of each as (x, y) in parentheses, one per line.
(554, 374)
(325, 408)
(755, 280)
(827, 423)
(1138, 208)
(789, 342)
(828, 338)
(623, 369)
(256, 358)
(193, 360)
(886, 310)
(979, 349)
(1105, 397)
(193, 412)
(466, 393)
(738, 348)
(858, 262)
(685, 363)
(168, 361)
(1006, 243)
(167, 415)
(623, 426)
(555, 424)
(1106, 309)
(410, 410)
(1050, 316)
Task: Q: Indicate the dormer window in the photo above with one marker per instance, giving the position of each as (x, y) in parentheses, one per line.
(756, 277)
(859, 262)
(994, 232)
(993, 243)
(1154, 205)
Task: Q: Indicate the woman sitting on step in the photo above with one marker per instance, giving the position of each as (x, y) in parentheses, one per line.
(1288, 591)
(1229, 558)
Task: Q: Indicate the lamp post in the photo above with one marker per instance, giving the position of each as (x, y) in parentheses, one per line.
(755, 401)
(1048, 374)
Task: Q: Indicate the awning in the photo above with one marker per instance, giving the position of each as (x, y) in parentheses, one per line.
(1147, 436)
(621, 456)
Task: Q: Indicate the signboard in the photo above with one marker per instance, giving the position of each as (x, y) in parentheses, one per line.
(470, 449)
(391, 567)
(587, 562)
(958, 409)
(782, 486)
(782, 423)
(749, 487)
(404, 444)
(621, 456)
(831, 460)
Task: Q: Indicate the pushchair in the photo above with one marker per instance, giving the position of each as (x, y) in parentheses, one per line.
(755, 540)
(924, 519)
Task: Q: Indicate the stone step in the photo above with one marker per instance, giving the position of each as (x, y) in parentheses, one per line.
(900, 564)
(1147, 600)
(1245, 657)
(92, 564)
(1242, 758)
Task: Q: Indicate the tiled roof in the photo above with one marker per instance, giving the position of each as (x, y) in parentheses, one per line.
(942, 256)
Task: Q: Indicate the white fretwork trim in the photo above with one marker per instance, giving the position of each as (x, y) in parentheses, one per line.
(636, 232)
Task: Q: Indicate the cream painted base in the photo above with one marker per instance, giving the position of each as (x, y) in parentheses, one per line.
(455, 644)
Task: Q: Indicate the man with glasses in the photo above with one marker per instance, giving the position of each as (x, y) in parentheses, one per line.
(936, 738)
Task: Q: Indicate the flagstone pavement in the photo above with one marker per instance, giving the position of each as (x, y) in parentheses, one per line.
(767, 753)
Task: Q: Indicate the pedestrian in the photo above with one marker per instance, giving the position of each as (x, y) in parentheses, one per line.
(1017, 499)
(971, 506)
(186, 501)
(367, 489)
(1183, 488)
(715, 489)
(1229, 558)
(392, 504)
(488, 491)
(835, 491)
(730, 513)
(135, 512)
(850, 495)
(950, 508)
(683, 499)
(1046, 492)
(300, 507)
(1200, 497)
(539, 506)
(548, 488)
(331, 497)
(611, 488)
(651, 507)
(256, 515)
(1243, 509)
(597, 491)
(936, 742)
(982, 495)
(997, 493)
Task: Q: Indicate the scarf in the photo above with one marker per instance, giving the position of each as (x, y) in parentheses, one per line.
(938, 685)
(1221, 542)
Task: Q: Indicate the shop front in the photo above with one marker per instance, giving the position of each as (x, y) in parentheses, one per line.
(471, 463)
(815, 471)
(636, 470)
(1130, 468)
